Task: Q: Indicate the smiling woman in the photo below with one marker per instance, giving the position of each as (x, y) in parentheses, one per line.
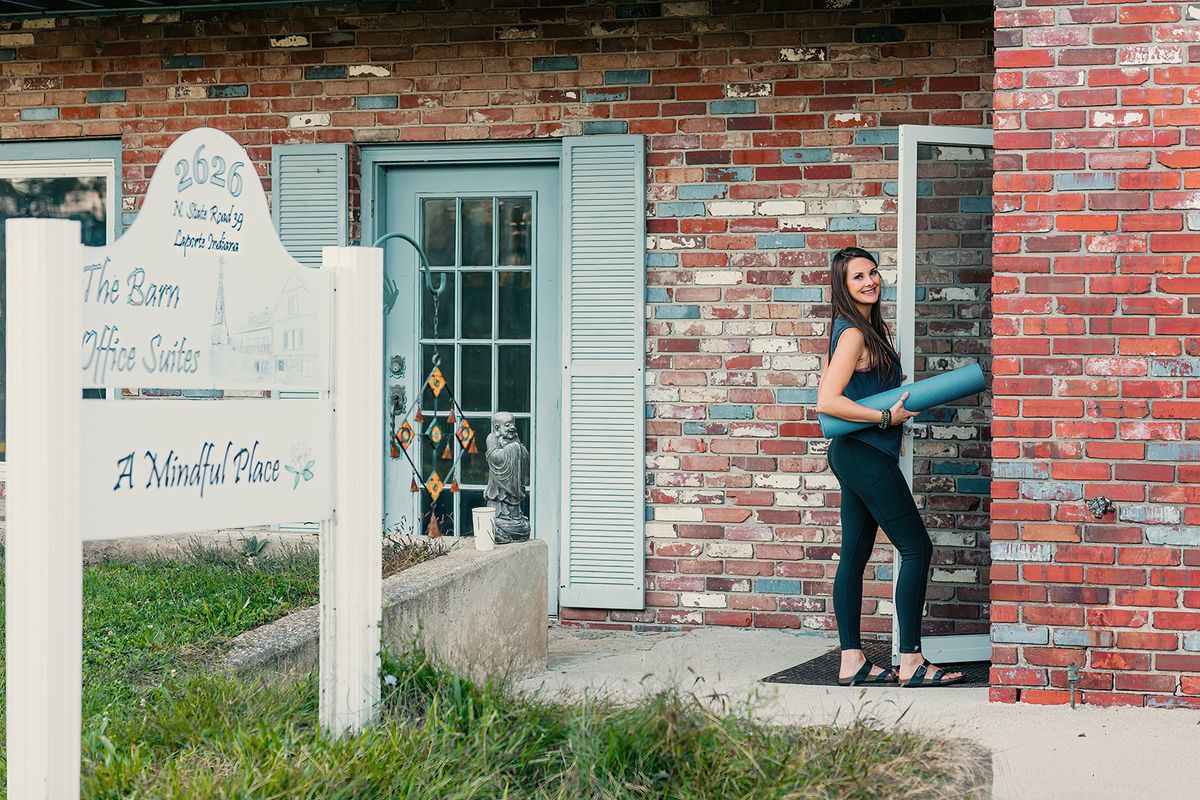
(863, 362)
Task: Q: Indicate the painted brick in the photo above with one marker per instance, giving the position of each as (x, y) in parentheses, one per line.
(623, 77)
(325, 72)
(796, 294)
(806, 155)
(796, 396)
(777, 586)
(42, 114)
(877, 136)
(679, 209)
(106, 96)
(233, 90)
(1184, 536)
(677, 312)
(183, 62)
(731, 107)
(852, 224)
(555, 63)
(1021, 551)
(703, 192)
(606, 126)
(1174, 452)
(1020, 469)
(376, 102)
(777, 241)
(654, 259)
(1020, 634)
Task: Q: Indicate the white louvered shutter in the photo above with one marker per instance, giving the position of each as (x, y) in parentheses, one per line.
(308, 198)
(603, 439)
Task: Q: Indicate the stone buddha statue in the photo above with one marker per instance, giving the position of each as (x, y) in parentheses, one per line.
(508, 470)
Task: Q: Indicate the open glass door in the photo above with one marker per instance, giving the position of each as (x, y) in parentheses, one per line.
(943, 321)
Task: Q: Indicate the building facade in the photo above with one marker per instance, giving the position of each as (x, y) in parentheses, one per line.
(765, 136)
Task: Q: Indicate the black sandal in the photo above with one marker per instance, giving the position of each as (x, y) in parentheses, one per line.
(918, 678)
(864, 678)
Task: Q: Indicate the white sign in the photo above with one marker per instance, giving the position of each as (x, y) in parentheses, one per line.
(200, 293)
(233, 463)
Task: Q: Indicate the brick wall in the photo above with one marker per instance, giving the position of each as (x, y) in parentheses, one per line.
(1097, 353)
(771, 136)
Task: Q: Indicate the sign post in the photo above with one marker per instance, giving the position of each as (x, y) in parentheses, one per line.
(351, 555)
(43, 551)
(198, 294)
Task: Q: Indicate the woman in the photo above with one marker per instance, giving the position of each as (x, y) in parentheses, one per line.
(863, 362)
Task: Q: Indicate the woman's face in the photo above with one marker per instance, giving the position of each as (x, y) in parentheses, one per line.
(863, 281)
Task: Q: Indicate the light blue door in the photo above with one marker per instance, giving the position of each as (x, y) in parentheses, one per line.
(493, 232)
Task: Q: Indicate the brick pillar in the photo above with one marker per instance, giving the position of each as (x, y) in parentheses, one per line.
(1097, 353)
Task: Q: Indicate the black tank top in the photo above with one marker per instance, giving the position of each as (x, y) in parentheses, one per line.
(864, 384)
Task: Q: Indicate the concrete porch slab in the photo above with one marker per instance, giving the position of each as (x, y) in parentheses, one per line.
(1038, 751)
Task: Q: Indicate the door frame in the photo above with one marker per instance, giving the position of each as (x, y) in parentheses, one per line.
(376, 160)
(957, 647)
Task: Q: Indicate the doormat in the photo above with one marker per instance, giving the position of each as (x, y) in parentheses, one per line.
(823, 670)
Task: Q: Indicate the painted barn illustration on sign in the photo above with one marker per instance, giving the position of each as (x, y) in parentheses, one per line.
(632, 207)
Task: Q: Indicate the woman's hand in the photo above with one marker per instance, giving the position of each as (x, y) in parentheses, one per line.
(900, 414)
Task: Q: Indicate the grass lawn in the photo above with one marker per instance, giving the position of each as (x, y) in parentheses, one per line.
(157, 726)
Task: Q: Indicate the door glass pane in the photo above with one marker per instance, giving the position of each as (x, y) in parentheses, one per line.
(952, 444)
(477, 232)
(428, 399)
(469, 499)
(476, 305)
(512, 374)
(476, 392)
(473, 469)
(516, 302)
(444, 316)
(438, 231)
(82, 199)
(445, 513)
(516, 223)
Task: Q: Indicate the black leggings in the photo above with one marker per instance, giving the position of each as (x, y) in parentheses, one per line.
(874, 495)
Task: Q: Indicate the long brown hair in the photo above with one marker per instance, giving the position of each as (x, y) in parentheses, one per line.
(880, 353)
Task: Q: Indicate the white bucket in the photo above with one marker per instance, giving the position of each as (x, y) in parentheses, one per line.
(484, 520)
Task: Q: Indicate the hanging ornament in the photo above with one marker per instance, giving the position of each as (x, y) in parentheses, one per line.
(395, 449)
(418, 417)
(436, 381)
(405, 435)
(433, 531)
(434, 486)
(415, 488)
(447, 454)
(450, 419)
(473, 449)
(465, 434)
(435, 433)
(454, 487)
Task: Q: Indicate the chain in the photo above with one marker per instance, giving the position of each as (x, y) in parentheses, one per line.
(436, 360)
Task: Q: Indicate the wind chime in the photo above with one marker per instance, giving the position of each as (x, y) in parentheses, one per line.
(424, 432)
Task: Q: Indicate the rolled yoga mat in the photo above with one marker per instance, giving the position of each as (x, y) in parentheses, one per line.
(924, 394)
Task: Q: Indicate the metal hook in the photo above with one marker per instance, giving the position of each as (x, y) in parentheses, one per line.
(390, 290)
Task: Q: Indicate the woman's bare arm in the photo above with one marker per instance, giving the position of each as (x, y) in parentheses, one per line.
(830, 399)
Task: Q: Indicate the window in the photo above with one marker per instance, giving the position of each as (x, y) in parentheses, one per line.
(67, 180)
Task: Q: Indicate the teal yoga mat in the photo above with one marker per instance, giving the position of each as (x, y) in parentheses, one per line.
(924, 394)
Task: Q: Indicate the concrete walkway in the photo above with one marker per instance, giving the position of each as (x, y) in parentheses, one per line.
(1038, 751)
